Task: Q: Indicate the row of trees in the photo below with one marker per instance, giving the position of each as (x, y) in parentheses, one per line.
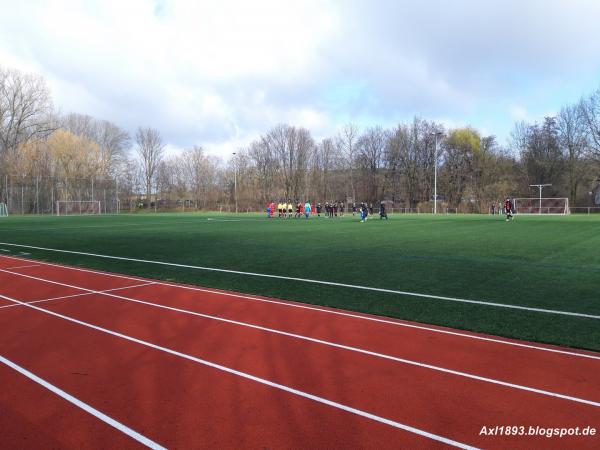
(564, 150)
(46, 156)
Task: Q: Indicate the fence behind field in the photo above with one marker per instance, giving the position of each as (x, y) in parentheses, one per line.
(39, 195)
(585, 210)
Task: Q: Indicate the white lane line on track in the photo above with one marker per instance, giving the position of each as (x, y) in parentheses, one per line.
(320, 282)
(83, 294)
(292, 304)
(330, 344)
(82, 405)
(248, 376)
(21, 267)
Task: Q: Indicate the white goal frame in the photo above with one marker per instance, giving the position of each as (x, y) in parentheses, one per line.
(78, 207)
(3, 210)
(549, 206)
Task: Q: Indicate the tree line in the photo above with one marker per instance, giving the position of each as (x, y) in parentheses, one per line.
(46, 156)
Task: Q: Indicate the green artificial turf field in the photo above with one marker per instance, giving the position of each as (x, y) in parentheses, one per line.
(540, 262)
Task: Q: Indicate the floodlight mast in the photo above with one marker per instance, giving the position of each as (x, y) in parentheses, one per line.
(435, 160)
(540, 187)
(235, 182)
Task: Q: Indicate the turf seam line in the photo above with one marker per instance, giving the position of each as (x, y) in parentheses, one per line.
(293, 304)
(248, 376)
(142, 226)
(333, 344)
(84, 406)
(321, 282)
(83, 294)
(125, 225)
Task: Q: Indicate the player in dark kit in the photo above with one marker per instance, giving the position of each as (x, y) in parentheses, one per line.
(508, 209)
(382, 212)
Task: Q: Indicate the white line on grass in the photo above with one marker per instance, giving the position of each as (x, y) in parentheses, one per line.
(83, 294)
(328, 311)
(248, 376)
(326, 343)
(82, 405)
(308, 280)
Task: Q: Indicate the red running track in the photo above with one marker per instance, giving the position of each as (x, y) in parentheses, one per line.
(193, 367)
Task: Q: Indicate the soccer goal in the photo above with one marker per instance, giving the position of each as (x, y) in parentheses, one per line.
(3, 210)
(555, 206)
(76, 207)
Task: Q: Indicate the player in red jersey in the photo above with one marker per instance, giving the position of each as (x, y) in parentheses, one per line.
(508, 209)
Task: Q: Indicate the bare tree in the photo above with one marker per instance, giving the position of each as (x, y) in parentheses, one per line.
(292, 148)
(397, 159)
(112, 140)
(570, 124)
(590, 111)
(79, 124)
(25, 109)
(325, 162)
(541, 156)
(264, 163)
(346, 141)
(195, 168)
(409, 160)
(150, 148)
(371, 148)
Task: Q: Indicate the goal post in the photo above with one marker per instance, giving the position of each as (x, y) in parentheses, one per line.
(539, 206)
(78, 207)
(3, 210)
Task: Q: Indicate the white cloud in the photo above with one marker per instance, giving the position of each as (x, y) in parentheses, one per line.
(519, 113)
(220, 73)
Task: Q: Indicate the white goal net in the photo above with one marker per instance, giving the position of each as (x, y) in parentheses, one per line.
(555, 206)
(74, 207)
(3, 210)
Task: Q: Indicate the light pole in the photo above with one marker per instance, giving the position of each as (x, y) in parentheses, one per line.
(435, 159)
(540, 187)
(235, 182)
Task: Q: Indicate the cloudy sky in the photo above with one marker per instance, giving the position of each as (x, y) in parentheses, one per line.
(219, 73)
